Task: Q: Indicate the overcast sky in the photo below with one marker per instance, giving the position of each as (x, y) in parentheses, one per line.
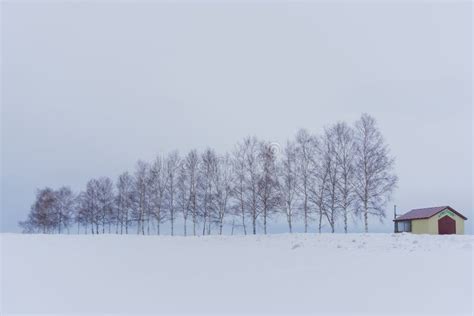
(88, 89)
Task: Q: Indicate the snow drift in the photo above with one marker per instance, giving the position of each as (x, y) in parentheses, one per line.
(323, 274)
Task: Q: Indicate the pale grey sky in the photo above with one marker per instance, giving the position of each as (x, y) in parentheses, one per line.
(89, 88)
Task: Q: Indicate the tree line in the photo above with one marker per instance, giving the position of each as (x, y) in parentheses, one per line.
(346, 172)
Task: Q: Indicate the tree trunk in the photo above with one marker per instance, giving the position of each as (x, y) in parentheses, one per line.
(290, 228)
(148, 225)
(305, 213)
(243, 221)
(345, 220)
(185, 224)
(265, 222)
(320, 220)
(366, 223)
(172, 222)
(366, 211)
(204, 225)
(59, 224)
(254, 224)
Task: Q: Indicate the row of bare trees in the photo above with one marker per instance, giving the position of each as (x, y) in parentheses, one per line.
(345, 173)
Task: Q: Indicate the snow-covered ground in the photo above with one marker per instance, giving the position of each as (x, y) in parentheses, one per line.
(353, 274)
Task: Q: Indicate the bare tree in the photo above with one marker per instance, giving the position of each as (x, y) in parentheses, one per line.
(268, 185)
(374, 179)
(52, 211)
(191, 164)
(346, 172)
(330, 169)
(240, 183)
(182, 195)
(105, 199)
(251, 146)
(344, 151)
(124, 201)
(317, 178)
(223, 179)
(42, 217)
(91, 207)
(64, 208)
(305, 152)
(172, 165)
(289, 183)
(157, 188)
(140, 196)
(80, 213)
(207, 171)
(83, 214)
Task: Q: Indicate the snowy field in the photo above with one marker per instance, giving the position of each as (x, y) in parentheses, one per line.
(377, 274)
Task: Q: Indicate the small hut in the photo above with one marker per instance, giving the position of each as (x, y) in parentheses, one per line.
(440, 220)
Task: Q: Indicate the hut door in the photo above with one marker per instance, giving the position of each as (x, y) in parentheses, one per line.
(446, 225)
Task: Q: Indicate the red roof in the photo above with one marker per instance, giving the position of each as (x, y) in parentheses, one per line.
(421, 213)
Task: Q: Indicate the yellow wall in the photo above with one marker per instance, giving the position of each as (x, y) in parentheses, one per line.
(422, 226)
(430, 225)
